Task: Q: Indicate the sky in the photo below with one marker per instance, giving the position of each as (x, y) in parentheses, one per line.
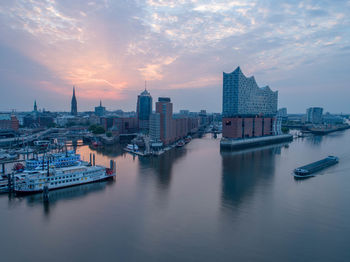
(107, 49)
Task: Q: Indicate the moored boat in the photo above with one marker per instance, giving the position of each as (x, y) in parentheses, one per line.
(132, 148)
(69, 158)
(188, 139)
(55, 178)
(180, 143)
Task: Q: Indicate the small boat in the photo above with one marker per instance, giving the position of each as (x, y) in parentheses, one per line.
(310, 169)
(180, 143)
(188, 139)
(132, 147)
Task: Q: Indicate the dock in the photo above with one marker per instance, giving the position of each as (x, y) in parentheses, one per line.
(238, 144)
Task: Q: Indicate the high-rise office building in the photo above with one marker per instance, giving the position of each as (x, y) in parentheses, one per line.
(314, 115)
(144, 109)
(74, 105)
(248, 111)
(165, 109)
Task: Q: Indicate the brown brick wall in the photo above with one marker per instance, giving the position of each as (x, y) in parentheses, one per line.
(258, 126)
(248, 127)
(232, 127)
(267, 126)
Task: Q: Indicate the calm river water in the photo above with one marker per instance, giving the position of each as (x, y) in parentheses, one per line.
(192, 204)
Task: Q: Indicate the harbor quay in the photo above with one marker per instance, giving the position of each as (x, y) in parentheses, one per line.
(238, 144)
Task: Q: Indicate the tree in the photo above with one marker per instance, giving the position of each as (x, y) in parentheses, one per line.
(97, 129)
(285, 130)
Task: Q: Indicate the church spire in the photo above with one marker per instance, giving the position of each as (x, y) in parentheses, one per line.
(74, 106)
(35, 106)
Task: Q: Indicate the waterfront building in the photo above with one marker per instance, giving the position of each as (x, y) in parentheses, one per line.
(169, 127)
(282, 112)
(154, 127)
(63, 120)
(74, 105)
(314, 115)
(124, 125)
(9, 122)
(248, 110)
(144, 109)
(329, 119)
(165, 108)
(203, 118)
(100, 110)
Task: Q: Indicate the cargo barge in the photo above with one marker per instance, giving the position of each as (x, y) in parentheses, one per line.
(310, 169)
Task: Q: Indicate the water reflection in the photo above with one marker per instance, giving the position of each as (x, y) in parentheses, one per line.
(62, 195)
(161, 166)
(244, 170)
(315, 140)
(108, 150)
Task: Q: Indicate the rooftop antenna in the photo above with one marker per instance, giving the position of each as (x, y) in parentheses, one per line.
(145, 85)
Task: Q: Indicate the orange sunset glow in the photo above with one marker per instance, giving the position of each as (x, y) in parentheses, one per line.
(108, 49)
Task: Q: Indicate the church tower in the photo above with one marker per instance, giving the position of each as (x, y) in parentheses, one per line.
(74, 106)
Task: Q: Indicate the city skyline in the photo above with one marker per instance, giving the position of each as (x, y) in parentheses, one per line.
(300, 48)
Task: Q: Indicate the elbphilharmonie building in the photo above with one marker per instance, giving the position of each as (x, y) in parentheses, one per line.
(248, 110)
(242, 96)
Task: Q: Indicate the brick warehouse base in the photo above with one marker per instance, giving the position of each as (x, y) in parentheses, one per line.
(245, 127)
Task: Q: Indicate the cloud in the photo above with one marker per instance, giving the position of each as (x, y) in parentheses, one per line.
(108, 48)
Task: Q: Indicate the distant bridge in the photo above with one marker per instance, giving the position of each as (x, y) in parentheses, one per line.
(15, 141)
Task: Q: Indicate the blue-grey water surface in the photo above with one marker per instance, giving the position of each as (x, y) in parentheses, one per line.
(192, 204)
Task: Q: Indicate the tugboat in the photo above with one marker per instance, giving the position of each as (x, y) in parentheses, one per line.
(310, 169)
